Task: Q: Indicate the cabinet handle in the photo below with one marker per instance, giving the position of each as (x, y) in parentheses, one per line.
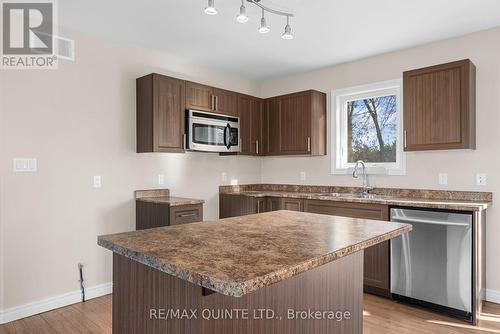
(258, 206)
(257, 147)
(405, 139)
(308, 144)
(213, 102)
(184, 140)
(184, 215)
(216, 102)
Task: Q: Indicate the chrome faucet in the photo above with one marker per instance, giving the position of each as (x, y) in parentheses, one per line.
(366, 187)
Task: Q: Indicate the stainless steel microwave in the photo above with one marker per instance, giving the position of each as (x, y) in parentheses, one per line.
(209, 132)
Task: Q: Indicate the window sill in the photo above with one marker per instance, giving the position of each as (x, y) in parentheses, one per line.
(371, 171)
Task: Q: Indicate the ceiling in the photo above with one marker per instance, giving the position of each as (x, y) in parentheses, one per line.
(327, 32)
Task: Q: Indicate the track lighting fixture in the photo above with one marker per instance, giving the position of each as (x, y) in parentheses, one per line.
(210, 9)
(242, 17)
(264, 28)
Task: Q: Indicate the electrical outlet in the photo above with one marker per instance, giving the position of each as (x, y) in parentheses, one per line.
(302, 176)
(161, 179)
(443, 179)
(481, 179)
(97, 181)
(223, 177)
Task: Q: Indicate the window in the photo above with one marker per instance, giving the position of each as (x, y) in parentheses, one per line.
(367, 122)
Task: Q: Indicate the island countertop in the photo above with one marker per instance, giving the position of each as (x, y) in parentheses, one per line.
(237, 256)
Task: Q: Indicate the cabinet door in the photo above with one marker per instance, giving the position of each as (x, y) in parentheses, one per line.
(295, 123)
(260, 205)
(257, 144)
(273, 204)
(245, 106)
(292, 204)
(272, 127)
(439, 107)
(226, 102)
(199, 97)
(168, 114)
(376, 258)
(233, 205)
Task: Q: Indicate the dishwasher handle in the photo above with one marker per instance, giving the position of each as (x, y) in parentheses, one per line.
(428, 221)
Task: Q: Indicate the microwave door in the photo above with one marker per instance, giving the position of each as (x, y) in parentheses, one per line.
(207, 136)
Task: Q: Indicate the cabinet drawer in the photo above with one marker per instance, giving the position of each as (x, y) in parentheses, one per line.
(345, 209)
(185, 214)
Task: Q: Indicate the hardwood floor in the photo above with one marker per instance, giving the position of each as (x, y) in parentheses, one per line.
(381, 316)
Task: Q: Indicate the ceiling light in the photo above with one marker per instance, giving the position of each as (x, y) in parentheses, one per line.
(242, 17)
(264, 29)
(210, 9)
(288, 30)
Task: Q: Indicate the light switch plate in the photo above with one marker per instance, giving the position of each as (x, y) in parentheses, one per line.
(97, 181)
(25, 165)
(303, 176)
(223, 177)
(443, 179)
(161, 179)
(481, 179)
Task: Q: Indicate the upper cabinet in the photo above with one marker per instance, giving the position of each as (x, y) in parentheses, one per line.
(250, 113)
(293, 124)
(206, 98)
(440, 107)
(296, 124)
(160, 114)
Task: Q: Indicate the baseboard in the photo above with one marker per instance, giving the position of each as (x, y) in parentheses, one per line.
(492, 296)
(52, 303)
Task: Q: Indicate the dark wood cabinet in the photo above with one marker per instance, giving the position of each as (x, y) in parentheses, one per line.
(185, 214)
(199, 97)
(206, 98)
(225, 102)
(296, 124)
(440, 107)
(233, 205)
(152, 214)
(376, 258)
(250, 113)
(274, 204)
(271, 127)
(293, 124)
(160, 114)
(292, 204)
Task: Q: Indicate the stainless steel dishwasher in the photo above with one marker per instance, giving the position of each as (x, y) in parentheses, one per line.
(432, 265)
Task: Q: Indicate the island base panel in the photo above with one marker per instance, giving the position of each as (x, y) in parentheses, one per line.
(139, 289)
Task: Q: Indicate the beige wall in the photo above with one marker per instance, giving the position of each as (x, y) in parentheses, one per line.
(422, 167)
(79, 121)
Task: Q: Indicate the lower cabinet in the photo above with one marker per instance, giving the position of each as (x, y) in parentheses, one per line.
(292, 204)
(376, 258)
(151, 215)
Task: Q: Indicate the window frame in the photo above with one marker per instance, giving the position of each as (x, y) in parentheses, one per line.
(339, 97)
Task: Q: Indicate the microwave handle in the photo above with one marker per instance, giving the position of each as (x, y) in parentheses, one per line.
(227, 133)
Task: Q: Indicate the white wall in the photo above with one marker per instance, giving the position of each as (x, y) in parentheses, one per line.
(79, 121)
(422, 167)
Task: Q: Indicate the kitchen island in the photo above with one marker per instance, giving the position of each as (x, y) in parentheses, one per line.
(276, 272)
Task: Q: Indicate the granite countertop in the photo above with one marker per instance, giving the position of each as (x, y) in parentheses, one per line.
(162, 196)
(236, 256)
(172, 200)
(436, 199)
(383, 199)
